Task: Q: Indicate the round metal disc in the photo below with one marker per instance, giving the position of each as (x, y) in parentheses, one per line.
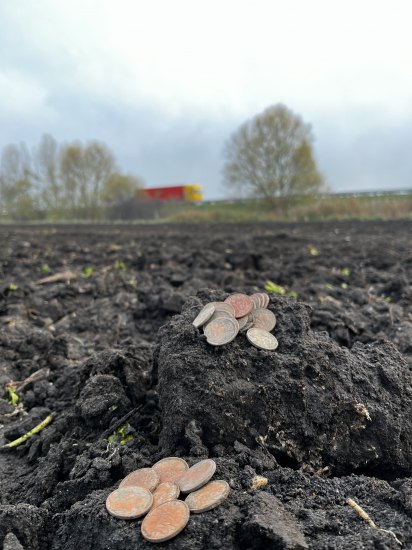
(129, 502)
(204, 315)
(263, 318)
(166, 521)
(143, 477)
(197, 476)
(242, 304)
(221, 331)
(262, 339)
(208, 497)
(170, 468)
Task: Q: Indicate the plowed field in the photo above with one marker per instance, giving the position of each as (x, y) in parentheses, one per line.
(112, 356)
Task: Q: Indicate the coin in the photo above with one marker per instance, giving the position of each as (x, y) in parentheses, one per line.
(242, 304)
(219, 314)
(147, 478)
(204, 315)
(170, 468)
(166, 521)
(263, 318)
(261, 338)
(196, 476)
(221, 331)
(129, 502)
(265, 298)
(208, 497)
(256, 300)
(243, 321)
(223, 306)
(164, 492)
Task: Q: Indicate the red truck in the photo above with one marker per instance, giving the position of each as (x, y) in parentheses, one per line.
(191, 193)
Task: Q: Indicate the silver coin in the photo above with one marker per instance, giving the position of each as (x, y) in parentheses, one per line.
(218, 314)
(256, 300)
(204, 315)
(243, 321)
(262, 339)
(249, 322)
(223, 306)
(221, 331)
(263, 318)
(265, 299)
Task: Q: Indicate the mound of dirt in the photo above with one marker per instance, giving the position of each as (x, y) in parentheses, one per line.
(312, 404)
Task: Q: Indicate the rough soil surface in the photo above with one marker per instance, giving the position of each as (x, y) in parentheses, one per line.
(325, 417)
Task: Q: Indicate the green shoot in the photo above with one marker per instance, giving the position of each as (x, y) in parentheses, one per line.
(292, 294)
(87, 272)
(274, 288)
(346, 271)
(122, 435)
(344, 285)
(45, 269)
(13, 286)
(120, 265)
(14, 398)
(32, 432)
(313, 250)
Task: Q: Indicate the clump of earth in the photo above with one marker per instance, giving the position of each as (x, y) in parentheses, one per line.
(115, 359)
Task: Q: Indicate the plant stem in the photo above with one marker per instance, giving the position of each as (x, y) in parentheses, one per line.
(32, 432)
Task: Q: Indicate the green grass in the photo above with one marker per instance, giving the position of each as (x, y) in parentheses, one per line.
(303, 209)
(326, 208)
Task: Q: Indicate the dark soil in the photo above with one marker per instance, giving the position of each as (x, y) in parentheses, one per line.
(326, 417)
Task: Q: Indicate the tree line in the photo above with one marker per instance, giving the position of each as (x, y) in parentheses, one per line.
(61, 181)
(269, 157)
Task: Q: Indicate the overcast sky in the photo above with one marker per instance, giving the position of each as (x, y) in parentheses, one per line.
(165, 83)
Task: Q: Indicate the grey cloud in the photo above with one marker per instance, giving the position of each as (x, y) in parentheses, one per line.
(166, 150)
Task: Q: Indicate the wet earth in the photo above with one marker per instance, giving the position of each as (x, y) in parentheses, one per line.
(113, 357)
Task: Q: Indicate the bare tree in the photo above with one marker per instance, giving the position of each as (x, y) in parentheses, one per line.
(69, 180)
(16, 182)
(271, 156)
(84, 170)
(119, 188)
(46, 161)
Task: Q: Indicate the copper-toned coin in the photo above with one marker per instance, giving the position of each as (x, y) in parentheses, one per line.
(204, 315)
(209, 496)
(242, 304)
(263, 318)
(262, 339)
(144, 477)
(221, 331)
(166, 521)
(164, 492)
(170, 468)
(223, 306)
(129, 502)
(197, 476)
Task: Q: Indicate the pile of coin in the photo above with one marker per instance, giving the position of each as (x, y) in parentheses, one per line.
(155, 491)
(222, 321)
